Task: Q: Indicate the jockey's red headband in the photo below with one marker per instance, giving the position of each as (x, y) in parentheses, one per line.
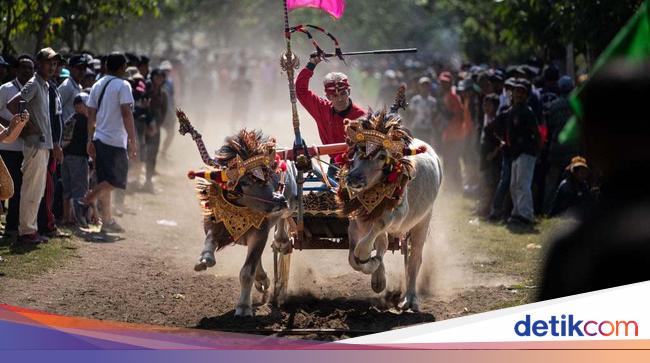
(334, 88)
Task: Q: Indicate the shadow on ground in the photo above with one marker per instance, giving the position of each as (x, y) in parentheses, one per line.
(311, 317)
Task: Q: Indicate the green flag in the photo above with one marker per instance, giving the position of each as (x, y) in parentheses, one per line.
(632, 42)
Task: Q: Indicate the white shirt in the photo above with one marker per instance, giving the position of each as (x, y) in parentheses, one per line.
(68, 90)
(423, 109)
(7, 92)
(109, 128)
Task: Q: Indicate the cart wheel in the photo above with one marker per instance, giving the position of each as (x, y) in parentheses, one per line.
(281, 267)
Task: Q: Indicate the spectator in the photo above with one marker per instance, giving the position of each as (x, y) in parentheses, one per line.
(46, 218)
(497, 79)
(12, 153)
(523, 144)
(423, 108)
(452, 117)
(74, 171)
(111, 133)
(71, 86)
(559, 155)
(88, 80)
(170, 123)
(498, 209)
(389, 85)
(491, 144)
(575, 191)
(143, 66)
(144, 122)
(37, 138)
(610, 246)
(158, 109)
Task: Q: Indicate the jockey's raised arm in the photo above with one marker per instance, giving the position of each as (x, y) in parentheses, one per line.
(328, 112)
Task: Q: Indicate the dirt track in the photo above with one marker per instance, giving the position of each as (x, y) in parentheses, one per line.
(147, 277)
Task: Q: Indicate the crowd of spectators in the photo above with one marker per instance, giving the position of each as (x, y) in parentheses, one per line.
(75, 125)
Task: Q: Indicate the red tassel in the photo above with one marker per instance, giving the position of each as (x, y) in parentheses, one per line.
(392, 177)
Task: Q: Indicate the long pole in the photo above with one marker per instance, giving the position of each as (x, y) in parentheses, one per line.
(377, 51)
(289, 64)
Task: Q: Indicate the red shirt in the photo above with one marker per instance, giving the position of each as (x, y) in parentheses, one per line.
(458, 126)
(329, 122)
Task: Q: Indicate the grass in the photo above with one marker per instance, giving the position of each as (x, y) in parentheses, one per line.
(25, 262)
(516, 252)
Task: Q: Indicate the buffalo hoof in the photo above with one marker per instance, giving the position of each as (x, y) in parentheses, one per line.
(410, 302)
(206, 260)
(263, 285)
(243, 311)
(370, 266)
(361, 255)
(378, 279)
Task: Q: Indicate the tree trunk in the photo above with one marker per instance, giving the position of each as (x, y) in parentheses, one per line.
(44, 23)
(7, 47)
(570, 61)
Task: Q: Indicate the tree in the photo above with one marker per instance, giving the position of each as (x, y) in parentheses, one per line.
(69, 21)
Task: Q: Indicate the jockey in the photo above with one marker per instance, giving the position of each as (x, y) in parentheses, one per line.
(328, 113)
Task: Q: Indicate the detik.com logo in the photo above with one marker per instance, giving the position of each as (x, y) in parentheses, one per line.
(568, 325)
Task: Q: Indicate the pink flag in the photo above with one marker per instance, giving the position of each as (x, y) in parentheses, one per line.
(333, 7)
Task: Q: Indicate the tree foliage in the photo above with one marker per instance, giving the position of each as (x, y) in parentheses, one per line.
(481, 30)
(63, 22)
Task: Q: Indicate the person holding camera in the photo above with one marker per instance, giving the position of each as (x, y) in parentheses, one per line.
(11, 147)
(37, 143)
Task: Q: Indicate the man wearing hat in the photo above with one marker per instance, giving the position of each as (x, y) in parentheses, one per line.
(497, 79)
(328, 113)
(71, 86)
(37, 139)
(575, 190)
(523, 140)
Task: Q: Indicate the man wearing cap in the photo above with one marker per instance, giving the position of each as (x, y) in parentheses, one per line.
(12, 153)
(523, 139)
(37, 139)
(46, 218)
(328, 113)
(71, 86)
(497, 79)
(575, 191)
